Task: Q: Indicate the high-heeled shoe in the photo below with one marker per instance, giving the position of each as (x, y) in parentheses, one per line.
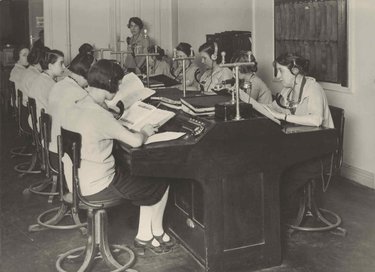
(168, 244)
(141, 246)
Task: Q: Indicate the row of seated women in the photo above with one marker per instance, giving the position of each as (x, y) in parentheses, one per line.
(77, 102)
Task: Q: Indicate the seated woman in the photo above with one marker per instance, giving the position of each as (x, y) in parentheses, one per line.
(302, 101)
(249, 82)
(20, 54)
(184, 50)
(99, 176)
(32, 72)
(53, 67)
(137, 43)
(214, 75)
(86, 48)
(158, 65)
(64, 94)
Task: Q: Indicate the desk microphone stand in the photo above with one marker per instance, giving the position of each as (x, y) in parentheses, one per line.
(183, 59)
(147, 55)
(236, 66)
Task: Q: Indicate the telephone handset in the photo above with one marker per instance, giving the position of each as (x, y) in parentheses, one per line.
(121, 107)
(191, 125)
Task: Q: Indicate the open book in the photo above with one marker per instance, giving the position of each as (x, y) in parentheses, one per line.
(130, 91)
(141, 114)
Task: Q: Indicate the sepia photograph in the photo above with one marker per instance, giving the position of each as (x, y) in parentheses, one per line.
(187, 136)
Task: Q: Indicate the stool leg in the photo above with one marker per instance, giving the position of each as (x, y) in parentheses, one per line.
(53, 189)
(91, 244)
(30, 169)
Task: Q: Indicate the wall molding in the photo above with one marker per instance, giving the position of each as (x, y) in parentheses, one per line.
(358, 175)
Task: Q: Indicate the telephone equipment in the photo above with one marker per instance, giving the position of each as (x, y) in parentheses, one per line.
(191, 125)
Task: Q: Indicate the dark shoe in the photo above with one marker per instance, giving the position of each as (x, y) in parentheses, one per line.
(169, 244)
(141, 246)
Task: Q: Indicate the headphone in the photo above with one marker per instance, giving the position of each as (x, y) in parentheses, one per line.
(295, 69)
(214, 55)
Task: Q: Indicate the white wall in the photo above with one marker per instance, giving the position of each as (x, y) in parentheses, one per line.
(196, 18)
(104, 23)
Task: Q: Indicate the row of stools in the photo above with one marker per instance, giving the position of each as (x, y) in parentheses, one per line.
(53, 186)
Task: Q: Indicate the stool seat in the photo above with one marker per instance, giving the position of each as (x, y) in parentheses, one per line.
(104, 203)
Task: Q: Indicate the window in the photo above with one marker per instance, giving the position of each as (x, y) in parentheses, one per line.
(316, 30)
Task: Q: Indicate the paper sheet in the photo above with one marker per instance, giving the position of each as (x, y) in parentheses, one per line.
(164, 136)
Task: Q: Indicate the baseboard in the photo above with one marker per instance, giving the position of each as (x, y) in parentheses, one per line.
(358, 175)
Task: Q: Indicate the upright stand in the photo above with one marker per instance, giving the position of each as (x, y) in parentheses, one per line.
(183, 59)
(147, 55)
(101, 51)
(121, 53)
(236, 66)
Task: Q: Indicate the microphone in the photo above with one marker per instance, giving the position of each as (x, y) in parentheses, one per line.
(229, 81)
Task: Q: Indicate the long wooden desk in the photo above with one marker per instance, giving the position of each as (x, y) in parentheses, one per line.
(224, 203)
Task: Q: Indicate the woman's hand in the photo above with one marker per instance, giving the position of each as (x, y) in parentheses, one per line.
(149, 130)
(277, 115)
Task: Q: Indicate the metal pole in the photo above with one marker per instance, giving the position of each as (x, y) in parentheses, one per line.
(183, 78)
(238, 115)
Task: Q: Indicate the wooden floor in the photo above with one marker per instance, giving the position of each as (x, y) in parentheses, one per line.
(24, 251)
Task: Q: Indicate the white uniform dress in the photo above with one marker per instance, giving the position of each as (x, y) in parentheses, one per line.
(62, 96)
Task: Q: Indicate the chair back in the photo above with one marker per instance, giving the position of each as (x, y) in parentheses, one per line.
(45, 123)
(12, 90)
(20, 111)
(338, 117)
(70, 143)
(35, 133)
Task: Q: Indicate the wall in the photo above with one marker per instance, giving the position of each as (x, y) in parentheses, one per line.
(68, 23)
(357, 100)
(35, 10)
(196, 18)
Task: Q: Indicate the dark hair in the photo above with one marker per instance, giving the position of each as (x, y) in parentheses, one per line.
(36, 55)
(159, 50)
(293, 61)
(50, 57)
(86, 49)
(137, 21)
(105, 74)
(184, 47)
(209, 48)
(81, 64)
(243, 56)
(17, 50)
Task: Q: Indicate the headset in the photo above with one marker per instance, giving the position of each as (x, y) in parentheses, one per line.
(295, 69)
(214, 55)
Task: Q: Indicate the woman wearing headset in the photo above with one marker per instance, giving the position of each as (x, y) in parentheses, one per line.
(302, 100)
(137, 43)
(184, 50)
(214, 75)
(251, 85)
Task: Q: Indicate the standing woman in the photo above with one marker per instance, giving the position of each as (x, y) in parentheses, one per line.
(53, 67)
(20, 54)
(137, 43)
(214, 75)
(183, 50)
(99, 177)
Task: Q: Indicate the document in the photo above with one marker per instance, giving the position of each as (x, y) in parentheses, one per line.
(164, 136)
(263, 109)
(130, 91)
(141, 114)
